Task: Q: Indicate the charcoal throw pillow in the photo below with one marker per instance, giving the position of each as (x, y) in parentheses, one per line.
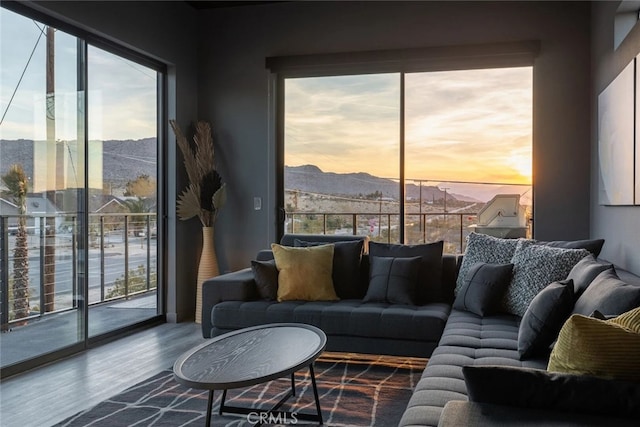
(393, 280)
(487, 249)
(592, 245)
(544, 318)
(537, 388)
(583, 273)
(609, 295)
(534, 267)
(430, 275)
(346, 266)
(265, 274)
(483, 288)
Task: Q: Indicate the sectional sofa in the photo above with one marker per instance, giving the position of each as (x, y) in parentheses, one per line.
(486, 320)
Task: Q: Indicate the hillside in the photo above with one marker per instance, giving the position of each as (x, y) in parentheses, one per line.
(310, 178)
(122, 161)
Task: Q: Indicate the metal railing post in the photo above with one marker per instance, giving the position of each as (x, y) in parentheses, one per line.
(102, 258)
(354, 223)
(4, 272)
(148, 251)
(126, 256)
(42, 265)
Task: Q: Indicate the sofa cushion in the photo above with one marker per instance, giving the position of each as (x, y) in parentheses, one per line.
(265, 273)
(349, 318)
(534, 267)
(544, 318)
(487, 249)
(483, 288)
(346, 265)
(591, 346)
(583, 273)
(609, 295)
(430, 275)
(393, 280)
(304, 273)
(537, 388)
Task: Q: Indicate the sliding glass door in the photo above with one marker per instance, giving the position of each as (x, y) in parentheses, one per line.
(78, 191)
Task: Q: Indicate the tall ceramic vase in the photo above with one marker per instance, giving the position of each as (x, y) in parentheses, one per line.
(207, 268)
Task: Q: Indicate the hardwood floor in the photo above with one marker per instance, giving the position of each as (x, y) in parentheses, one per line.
(47, 395)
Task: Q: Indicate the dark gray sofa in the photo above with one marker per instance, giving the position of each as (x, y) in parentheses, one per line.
(471, 340)
(451, 338)
(231, 302)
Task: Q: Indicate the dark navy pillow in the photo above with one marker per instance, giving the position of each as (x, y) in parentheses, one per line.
(265, 274)
(393, 280)
(483, 288)
(544, 318)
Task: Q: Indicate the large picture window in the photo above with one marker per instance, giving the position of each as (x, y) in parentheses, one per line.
(78, 190)
(409, 157)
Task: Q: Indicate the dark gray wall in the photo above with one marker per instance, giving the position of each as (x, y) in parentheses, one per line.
(235, 94)
(619, 225)
(165, 31)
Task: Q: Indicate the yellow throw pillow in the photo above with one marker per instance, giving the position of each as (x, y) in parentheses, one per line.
(304, 273)
(590, 346)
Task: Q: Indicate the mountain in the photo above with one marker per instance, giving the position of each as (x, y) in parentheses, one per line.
(122, 161)
(312, 179)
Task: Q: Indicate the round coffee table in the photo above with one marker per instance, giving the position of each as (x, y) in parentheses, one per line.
(252, 356)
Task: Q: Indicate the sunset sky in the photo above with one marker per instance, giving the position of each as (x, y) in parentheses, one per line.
(471, 125)
(122, 94)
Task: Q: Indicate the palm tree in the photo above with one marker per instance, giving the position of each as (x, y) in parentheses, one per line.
(16, 182)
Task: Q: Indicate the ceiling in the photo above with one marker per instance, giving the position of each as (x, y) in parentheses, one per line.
(206, 4)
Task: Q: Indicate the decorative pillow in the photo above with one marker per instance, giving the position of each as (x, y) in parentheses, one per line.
(593, 245)
(304, 273)
(590, 346)
(265, 274)
(534, 267)
(483, 288)
(487, 249)
(430, 275)
(539, 389)
(544, 318)
(346, 266)
(584, 272)
(393, 280)
(609, 295)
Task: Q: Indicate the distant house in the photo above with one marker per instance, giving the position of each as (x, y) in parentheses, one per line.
(37, 208)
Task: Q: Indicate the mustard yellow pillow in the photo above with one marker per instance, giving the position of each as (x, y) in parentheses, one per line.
(600, 348)
(304, 273)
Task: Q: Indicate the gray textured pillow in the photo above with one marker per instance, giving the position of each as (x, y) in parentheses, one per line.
(534, 267)
(393, 280)
(544, 318)
(483, 288)
(583, 273)
(609, 295)
(487, 249)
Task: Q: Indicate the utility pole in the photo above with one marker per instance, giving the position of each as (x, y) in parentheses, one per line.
(49, 270)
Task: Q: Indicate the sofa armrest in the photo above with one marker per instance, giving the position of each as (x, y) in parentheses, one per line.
(236, 286)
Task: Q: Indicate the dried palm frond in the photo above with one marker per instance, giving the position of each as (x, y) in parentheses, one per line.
(206, 192)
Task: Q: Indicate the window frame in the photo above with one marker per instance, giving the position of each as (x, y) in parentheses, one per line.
(402, 61)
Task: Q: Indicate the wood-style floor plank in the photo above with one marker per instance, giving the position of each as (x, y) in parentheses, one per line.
(48, 395)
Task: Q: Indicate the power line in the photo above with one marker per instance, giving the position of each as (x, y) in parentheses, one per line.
(21, 77)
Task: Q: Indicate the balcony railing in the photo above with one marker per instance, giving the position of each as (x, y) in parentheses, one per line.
(122, 261)
(423, 227)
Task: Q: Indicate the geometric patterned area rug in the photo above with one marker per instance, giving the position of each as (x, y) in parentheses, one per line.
(354, 390)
